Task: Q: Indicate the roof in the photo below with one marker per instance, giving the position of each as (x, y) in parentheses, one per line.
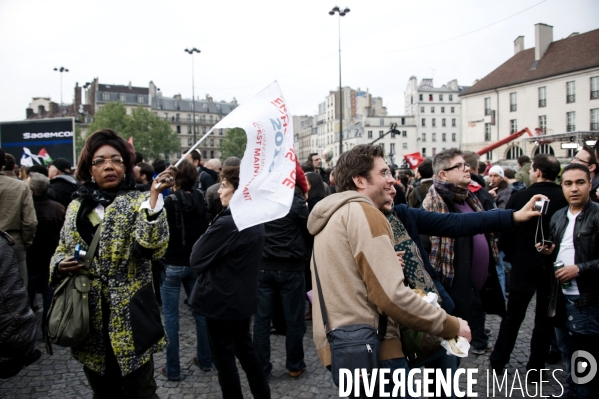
(123, 89)
(571, 54)
(184, 105)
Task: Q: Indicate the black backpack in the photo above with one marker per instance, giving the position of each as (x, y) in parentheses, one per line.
(190, 231)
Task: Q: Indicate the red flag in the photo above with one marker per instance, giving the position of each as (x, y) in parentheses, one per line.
(413, 159)
(130, 141)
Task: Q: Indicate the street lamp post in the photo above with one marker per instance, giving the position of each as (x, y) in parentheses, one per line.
(341, 13)
(193, 95)
(61, 70)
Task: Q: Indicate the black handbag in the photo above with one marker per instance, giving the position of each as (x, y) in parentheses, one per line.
(355, 346)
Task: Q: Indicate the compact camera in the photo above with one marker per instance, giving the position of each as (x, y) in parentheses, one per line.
(79, 253)
(542, 205)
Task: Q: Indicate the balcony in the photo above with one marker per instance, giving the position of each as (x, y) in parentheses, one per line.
(513, 107)
(570, 128)
(570, 98)
(542, 103)
(594, 94)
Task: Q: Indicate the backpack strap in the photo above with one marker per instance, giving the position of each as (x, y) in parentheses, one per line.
(179, 216)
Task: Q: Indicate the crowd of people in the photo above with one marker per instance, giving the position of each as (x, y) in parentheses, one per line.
(468, 231)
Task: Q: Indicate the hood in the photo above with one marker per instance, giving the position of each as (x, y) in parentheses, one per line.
(189, 201)
(211, 173)
(67, 178)
(322, 212)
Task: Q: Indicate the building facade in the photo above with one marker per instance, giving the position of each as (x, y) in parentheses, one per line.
(551, 89)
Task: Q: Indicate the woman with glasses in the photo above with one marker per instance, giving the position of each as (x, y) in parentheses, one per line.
(124, 324)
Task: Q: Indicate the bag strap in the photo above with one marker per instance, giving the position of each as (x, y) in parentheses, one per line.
(382, 330)
(89, 256)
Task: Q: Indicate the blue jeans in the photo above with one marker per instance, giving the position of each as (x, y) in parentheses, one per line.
(500, 267)
(565, 345)
(39, 283)
(289, 288)
(444, 362)
(170, 291)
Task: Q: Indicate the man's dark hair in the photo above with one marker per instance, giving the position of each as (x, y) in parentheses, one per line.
(232, 161)
(98, 139)
(10, 162)
(523, 159)
(196, 155)
(481, 167)
(426, 169)
(138, 157)
(443, 159)
(509, 173)
(576, 166)
(231, 175)
(597, 149)
(308, 166)
(547, 164)
(356, 162)
(472, 158)
(146, 169)
(159, 166)
(311, 155)
(38, 169)
(186, 177)
(591, 151)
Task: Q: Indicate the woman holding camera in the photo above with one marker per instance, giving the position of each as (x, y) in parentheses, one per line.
(125, 327)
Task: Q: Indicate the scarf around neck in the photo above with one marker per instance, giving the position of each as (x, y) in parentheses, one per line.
(442, 248)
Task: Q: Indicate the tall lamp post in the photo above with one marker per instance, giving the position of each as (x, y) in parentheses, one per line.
(193, 94)
(61, 70)
(341, 13)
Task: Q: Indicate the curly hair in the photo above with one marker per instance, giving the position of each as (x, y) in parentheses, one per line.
(231, 175)
(98, 139)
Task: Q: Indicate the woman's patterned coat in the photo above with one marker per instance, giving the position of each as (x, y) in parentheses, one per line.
(125, 280)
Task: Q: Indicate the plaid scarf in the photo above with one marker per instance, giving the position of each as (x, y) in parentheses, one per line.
(441, 255)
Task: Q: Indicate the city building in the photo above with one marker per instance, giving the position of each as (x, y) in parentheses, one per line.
(552, 89)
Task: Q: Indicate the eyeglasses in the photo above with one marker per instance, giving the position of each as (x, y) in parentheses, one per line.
(459, 166)
(101, 161)
(576, 159)
(386, 174)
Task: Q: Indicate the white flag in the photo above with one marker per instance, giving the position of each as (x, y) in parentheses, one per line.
(267, 171)
(28, 158)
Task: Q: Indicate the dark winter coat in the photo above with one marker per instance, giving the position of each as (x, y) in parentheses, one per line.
(207, 177)
(17, 320)
(62, 188)
(50, 218)
(227, 262)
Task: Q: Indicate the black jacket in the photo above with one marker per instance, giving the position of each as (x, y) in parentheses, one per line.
(586, 248)
(284, 246)
(62, 188)
(227, 262)
(50, 218)
(519, 244)
(186, 216)
(206, 178)
(17, 320)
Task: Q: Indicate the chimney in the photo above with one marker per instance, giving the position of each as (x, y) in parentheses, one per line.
(28, 113)
(53, 108)
(518, 44)
(543, 38)
(129, 85)
(41, 110)
(573, 34)
(77, 96)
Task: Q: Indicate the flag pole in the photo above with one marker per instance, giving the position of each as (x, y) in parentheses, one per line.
(189, 152)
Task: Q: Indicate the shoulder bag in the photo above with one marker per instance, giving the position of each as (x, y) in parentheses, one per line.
(67, 322)
(355, 346)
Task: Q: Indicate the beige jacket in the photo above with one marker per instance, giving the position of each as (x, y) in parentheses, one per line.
(17, 214)
(361, 276)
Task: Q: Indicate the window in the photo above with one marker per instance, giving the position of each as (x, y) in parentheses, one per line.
(140, 99)
(452, 110)
(442, 110)
(513, 102)
(423, 151)
(434, 122)
(178, 129)
(434, 136)
(444, 137)
(393, 134)
(542, 97)
(211, 154)
(210, 119)
(571, 92)
(220, 132)
(423, 121)
(453, 136)
(420, 96)
(513, 126)
(404, 134)
(451, 97)
(105, 97)
(571, 116)
(487, 132)
(543, 123)
(433, 110)
(453, 122)
(382, 122)
(211, 142)
(220, 142)
(177, 116)
(595, 119)
(430, 97)
(188, 129)
(423, 136)
(189, 142)
(422, 110)
(403, 121)
(404, 146)
(595, 88)
(122, 98)
(514, 152)
(204, 154)
(370, 134)
(487, 106)
(188, 117)
(440, 97)
(166, 116)
(490, 155)
(381, 133)
(443, 122)
(434, 151)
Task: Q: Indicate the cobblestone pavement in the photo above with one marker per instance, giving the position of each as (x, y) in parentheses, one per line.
(61, 376)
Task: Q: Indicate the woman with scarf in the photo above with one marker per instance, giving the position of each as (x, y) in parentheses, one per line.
(125, 327)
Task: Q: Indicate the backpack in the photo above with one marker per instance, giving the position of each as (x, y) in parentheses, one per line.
(190, 232)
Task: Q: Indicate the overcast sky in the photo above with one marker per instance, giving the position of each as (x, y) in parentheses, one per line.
(248, 44)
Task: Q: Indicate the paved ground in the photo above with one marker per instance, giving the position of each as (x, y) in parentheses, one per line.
(61, 376)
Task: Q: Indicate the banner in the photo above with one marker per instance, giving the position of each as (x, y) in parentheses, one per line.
(267, 171)
(414, 159)
(39, 141)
